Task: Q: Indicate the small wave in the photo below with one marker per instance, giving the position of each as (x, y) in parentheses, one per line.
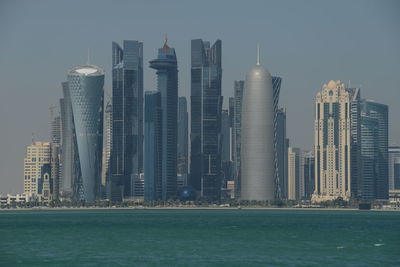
(340, 247)
(378, 245)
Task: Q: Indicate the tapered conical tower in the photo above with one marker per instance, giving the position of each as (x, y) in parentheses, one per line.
(258, 136)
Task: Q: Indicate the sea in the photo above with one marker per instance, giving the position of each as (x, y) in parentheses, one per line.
(199, 237)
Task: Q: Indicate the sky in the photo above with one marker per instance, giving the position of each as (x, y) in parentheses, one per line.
(307, 43)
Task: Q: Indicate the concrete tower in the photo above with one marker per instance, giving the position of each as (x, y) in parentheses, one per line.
(257, 149)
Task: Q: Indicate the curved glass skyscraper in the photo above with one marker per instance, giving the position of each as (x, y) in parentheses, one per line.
(86, 92)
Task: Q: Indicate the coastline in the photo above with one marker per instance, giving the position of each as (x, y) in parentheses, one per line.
(188, 208)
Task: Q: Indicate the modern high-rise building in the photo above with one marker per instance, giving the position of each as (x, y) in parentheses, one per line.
(69, 158)
(37, 171)
(85, 85)
(56, 154)
(257, 142)
(295, 175)
(127, 103)
(308, 174)
(369, 157)
(396, 173)
(183, 145)
(225, 136)
(276, 86)
(281, 150)
(374, 150)
(394, 160)
(336, 130)
(167, 84)
(152, 146)
(107, 145)
(280, 143)
(206, 106)
(237, 130)
(226, 163)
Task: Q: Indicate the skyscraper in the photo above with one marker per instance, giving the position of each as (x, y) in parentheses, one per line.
(127, 104)
(295, 175)
(257, 149)
(107, 144)
(38, 155)
(237, 128)
(167, 84)
(183, 128)
(206, 106)
(281, 150)
(86, 92)
(335, 132)
(69, 159)
(152, 146)
(369, 157)
(55, 154)
(225, 147)
(308, 174)
(376, 113)
(394, 160)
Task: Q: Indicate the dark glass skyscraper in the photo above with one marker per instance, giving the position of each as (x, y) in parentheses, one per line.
(308, 174)
(281, 150)
(376, 113)
(205, 131)
(68, 145)
(152, 146)
(394, 161)
(369, 156)
(167, 84)
(183, 124)
(127, 102)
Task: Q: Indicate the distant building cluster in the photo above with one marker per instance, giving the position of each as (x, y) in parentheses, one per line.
(145, 145)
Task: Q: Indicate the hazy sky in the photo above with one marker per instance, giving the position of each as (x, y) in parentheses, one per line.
(308, 43)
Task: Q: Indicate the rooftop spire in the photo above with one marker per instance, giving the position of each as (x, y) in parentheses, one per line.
(258, 54)
(166, 47)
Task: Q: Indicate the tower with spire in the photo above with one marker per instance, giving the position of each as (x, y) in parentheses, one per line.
(257, 148)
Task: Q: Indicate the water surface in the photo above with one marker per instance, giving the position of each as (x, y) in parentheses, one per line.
(199, 238)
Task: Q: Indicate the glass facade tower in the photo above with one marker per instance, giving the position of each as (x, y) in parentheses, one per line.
(206, 106)
(152, 146)
(167, 84)
(127, 108)
(85, 85)
(379, 113)
(394, 156)
(183, 124)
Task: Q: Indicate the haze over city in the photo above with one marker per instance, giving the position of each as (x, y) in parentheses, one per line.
(307, 43)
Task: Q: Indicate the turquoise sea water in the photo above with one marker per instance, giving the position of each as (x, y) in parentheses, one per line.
(199, 238)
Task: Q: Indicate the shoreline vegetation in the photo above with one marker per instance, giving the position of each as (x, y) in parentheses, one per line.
(43, 208)
(278, 204)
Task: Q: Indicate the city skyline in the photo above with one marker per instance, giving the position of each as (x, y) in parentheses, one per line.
(42, 88)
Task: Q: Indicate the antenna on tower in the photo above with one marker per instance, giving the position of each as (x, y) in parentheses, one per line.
(33, 138)
(258, 54)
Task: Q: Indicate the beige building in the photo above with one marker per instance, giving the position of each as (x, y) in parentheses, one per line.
(295, 174)
(332, 145)
(37, 171)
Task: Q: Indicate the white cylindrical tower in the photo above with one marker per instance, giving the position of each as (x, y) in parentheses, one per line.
(257, 150)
